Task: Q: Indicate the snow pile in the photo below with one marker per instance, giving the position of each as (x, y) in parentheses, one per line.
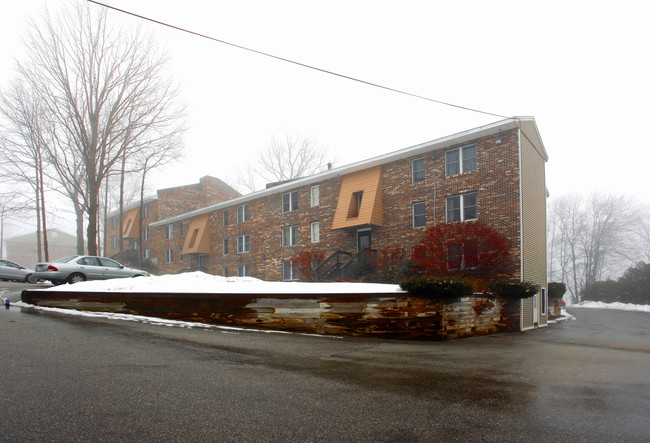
(615, 305)
(199, 282)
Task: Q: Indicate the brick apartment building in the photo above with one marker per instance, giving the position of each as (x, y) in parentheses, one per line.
(494, 173)
(166, 203)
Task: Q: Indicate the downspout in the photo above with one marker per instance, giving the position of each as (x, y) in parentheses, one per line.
(521, 227)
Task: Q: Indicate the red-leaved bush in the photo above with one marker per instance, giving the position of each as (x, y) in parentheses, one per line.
(467, 249)
(305, 261)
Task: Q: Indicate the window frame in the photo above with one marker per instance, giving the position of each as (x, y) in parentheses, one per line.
(169, 256)
(415, 178)
(224, 246)
(169, 232)
(314, 196)
(289, 271)
(224, 217)
(243, 244)
(244, 270)
(415, 216)
(291, 236)
(289, 202)
(462, 207)
(314, 231)
(462, 160)
(243, 213)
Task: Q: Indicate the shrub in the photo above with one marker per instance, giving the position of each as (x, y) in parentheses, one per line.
(556, 290)
(437, 287)
(513, 289)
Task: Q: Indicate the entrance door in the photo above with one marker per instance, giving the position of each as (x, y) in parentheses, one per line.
(363, 239)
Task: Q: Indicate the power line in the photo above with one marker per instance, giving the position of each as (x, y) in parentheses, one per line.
(304, 65)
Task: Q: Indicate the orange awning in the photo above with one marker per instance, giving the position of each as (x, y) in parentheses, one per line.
(197, 240)
(360, 200)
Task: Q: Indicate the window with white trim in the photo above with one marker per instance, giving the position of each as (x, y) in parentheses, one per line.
(315, 232)
(462, 207)
(181, 229)
(290, 201)
(243, 271)
(145, 211)
(169, 256)
(290, 236)
(145, 233)
(289, 271)
(459, 161)
(225, 246)
(180, 253)
(314, 196)
(225, 217)
(242, 213)
(113, 222)
(417, 170)
(169, 232)
(419, 215)
(147, 253)
(114, 242)
(243, 244)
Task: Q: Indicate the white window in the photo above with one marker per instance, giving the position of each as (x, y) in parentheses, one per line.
(460, 160)
(145, 233)
(419, 215)
(169, 256)
(243, 244)
(114, 242)
(169, 232)
(315, 232)
(289, 272)
(113, 222)
(145, 211)
(244, 271)
(462, 207)
(180, 253)
(417, 170)
(314, 196)
(225, 218)
(147, 253)
(290, 201)
(290, 236)
(242, 213)
(225, 246)
(180, 229)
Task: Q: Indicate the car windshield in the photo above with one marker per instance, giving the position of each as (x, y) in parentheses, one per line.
(65, 259)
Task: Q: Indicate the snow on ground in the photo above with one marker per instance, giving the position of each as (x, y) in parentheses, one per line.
(199, 282)
(615, 305)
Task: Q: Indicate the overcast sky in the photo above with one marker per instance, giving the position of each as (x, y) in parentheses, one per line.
(580, 68)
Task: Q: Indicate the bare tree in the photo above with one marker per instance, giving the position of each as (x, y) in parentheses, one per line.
(105, 93)
(589, 239)
(283, 160)
(10, 205)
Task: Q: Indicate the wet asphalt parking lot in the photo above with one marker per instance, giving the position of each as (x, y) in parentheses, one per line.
(72, 378)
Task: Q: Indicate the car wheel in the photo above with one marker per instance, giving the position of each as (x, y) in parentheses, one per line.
(29, 278)
(76, 278)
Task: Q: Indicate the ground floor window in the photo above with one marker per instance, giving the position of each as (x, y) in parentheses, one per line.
(243, 271)
(169, 256)
(289, 272)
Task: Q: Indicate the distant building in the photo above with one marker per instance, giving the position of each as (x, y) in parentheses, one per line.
(23, 249)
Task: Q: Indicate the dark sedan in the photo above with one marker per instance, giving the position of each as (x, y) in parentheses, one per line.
(78, 268)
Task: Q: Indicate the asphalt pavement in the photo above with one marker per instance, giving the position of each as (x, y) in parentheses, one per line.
(72, 378)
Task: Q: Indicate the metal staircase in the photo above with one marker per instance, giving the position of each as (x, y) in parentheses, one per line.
(345, 265)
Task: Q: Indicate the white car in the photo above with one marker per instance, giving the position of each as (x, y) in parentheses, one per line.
(78, 268)
(13, 271)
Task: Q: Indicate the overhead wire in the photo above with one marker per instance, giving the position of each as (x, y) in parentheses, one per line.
(294, 62)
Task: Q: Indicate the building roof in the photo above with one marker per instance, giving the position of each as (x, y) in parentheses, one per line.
(54, 236)
(526, 124)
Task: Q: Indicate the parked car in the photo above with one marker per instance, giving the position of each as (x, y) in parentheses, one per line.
(15, 272)
(78, 268)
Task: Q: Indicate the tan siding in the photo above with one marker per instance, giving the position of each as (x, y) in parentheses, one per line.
(371, 210)
(534, 211)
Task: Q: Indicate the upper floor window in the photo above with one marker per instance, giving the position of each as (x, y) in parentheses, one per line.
(462, 207)
(145, 233)
(113, 222)
(169, 232)
(243, 244)
(289, 271)
(355, 204)
(147, 253)
(290, 236)
(419, 215)
(114, 242)
(417, 170)
(242, 213)
(180, 253)
(314, 196)
(225, 246)
(290, 201)
(225, 218)
(145, 211)
(169, 256)
(460, 160)
(180, 229)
